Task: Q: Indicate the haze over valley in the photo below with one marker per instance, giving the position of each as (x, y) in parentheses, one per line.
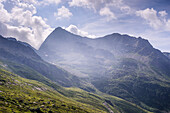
(83, 56)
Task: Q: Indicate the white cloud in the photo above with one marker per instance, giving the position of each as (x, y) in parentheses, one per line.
(106, 12)
(21, 23)
(155, 19)
(5, 16)
(74, 29)
(29, 1)
(2, 1)
(96, 4)
(163, 13)
(103, 7)
(167, 25)
(63, 12)
(126, 9)
(80, 3)
(48, 2)
(39, 2)
(150, 15)
(27, 6)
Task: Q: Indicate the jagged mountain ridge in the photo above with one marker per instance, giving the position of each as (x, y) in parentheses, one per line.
(116, 64)
(167, 54)
(75, 51)
(62, 45)
(38, 97)
(23, 60)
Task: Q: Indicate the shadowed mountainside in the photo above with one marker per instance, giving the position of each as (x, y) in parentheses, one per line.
(23, 60)
(167, 54)
(119, 65)
(18, 94)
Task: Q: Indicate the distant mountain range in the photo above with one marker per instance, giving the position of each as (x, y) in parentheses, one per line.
(113, 65)
(43, 91)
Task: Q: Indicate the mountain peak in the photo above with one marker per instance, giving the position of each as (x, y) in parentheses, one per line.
(59, 28)
(59, 31)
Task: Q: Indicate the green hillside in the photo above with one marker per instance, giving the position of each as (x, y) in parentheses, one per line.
(44, 81)
(22, 95)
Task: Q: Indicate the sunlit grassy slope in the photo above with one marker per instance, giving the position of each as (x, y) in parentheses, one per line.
(22, 95)
(18, 94)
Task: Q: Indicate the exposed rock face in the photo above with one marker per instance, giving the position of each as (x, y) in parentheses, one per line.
(23, 60)
(116, 64)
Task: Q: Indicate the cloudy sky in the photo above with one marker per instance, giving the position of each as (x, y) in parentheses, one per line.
(32, 20)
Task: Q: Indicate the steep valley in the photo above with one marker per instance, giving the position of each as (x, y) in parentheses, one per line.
(69, 73)
(115, 64)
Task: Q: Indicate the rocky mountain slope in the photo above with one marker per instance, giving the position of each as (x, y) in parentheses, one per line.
(115, 64)
(167, 54)
(20, 58)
